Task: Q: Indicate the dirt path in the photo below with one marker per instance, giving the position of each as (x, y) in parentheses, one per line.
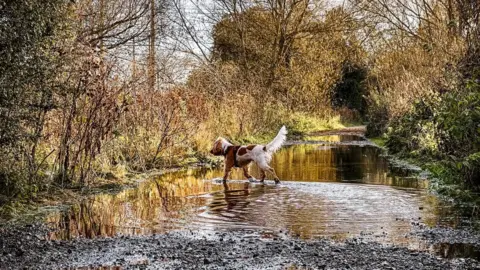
(23, 248)
(356, 130)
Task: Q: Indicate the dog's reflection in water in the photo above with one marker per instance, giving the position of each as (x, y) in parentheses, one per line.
(233, 197)
(232, 204)
(236, 198)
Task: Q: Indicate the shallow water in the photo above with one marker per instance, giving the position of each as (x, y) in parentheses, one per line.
(335, 186)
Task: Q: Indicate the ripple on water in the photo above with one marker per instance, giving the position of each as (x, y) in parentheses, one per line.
(321, 209)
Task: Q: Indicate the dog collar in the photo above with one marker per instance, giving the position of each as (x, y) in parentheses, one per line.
(225, 150)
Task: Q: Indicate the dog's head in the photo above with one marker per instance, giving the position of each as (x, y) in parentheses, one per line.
(217, 148)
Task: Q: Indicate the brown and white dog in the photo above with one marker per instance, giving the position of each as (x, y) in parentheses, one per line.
(240, 156)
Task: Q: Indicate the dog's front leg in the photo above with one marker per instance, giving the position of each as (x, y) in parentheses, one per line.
(228, 169)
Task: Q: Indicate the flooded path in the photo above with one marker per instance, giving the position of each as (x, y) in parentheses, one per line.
(338, 207)
(336, 186)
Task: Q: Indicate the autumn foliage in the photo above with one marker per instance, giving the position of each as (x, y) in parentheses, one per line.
(99, 88)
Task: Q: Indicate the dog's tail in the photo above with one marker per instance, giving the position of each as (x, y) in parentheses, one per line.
(274, 145)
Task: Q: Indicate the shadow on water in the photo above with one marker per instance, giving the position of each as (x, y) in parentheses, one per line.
(329, 189)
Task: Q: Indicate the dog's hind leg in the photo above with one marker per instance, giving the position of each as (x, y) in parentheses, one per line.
(246, 174)
(265, 168)
(262, 175)
(275, 177)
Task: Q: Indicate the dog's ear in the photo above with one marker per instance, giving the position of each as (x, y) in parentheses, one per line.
(221, 140)
(225, 140)
(217, 148)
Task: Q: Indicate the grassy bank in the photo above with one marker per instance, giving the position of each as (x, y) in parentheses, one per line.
(445, 180)
(298, 125)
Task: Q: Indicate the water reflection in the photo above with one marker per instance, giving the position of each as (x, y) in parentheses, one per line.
(456, 250)
(342, 163)
(338, 191)
(154, 207)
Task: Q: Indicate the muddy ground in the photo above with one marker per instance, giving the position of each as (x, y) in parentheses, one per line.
(26, 248)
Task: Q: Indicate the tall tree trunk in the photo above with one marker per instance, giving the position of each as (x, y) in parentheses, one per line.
(134, 68)
(102, 24)
(151, 49)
